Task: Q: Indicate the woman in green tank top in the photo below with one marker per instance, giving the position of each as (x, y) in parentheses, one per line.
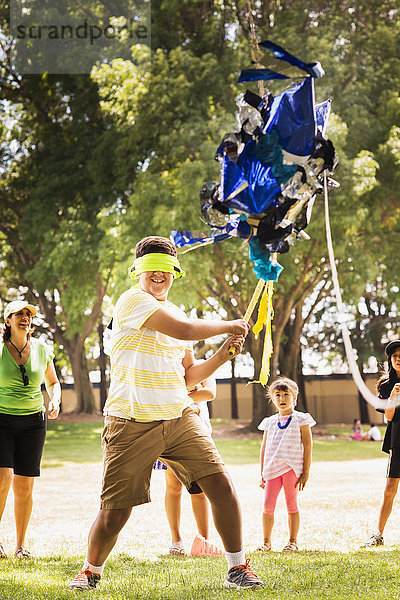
(24, 363)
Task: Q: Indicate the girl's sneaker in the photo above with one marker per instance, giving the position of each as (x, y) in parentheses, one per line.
(243, 577)
(85, 580)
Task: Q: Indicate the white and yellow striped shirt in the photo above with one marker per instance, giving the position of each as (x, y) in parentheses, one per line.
(147, 375)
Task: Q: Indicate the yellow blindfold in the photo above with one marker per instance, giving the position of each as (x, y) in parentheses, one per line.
(155, 261)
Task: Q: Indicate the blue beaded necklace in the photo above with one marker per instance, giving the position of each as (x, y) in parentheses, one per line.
(286, 424)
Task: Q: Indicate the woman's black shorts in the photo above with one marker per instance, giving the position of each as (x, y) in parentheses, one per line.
(393, 468)
(21, 442)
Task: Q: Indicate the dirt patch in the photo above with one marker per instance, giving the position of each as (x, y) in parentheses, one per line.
(339, 508)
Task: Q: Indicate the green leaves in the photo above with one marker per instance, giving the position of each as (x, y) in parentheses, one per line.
(90, 165)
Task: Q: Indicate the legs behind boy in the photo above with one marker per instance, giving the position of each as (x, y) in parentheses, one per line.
(200, 508)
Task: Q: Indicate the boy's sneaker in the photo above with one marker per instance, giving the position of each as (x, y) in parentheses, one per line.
(376, 539)
(85, 580)
(243, 577)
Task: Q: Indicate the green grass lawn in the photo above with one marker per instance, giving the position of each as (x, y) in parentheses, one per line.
(80, 443)
(72, 442)
(307, 575)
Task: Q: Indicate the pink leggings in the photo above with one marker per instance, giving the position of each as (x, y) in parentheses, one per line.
(273, 487)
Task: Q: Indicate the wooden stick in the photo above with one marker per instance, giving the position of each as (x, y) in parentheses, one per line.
(254, 299)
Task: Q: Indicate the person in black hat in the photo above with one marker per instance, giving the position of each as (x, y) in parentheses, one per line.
(389, 387)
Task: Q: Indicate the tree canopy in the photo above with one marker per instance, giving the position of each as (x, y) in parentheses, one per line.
(90, 164)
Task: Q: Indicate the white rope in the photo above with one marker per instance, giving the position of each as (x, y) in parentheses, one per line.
(358, 380)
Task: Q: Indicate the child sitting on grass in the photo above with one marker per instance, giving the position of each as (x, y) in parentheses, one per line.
(285, 458)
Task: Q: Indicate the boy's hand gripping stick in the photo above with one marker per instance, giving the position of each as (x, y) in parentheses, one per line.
(254, 299)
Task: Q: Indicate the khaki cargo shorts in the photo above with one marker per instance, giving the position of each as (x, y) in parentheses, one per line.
(131, 448)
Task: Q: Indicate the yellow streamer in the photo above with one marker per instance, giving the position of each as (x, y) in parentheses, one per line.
(254, 299)
(264, 318)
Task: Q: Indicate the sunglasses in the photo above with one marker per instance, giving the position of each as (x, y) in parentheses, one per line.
(25, 377)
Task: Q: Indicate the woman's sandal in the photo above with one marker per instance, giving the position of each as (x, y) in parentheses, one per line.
(2, 553)
(264, 548)
(176, 551)
(22, 553)
(290, 547)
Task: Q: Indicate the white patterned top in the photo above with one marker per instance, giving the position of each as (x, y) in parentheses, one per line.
(284, 448)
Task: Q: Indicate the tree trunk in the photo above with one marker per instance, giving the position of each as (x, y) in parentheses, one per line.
(234, 402)
(362, 404)
(75, 347)
(261, 406)
(102, 365)
(83, 386)
(302, 399)
(290, 349)
(288, 360)
(58, 373)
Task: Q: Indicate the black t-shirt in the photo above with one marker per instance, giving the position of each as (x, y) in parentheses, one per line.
(392, 434)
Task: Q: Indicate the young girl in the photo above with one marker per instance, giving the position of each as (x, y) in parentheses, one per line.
(285, 458)
(356, 430)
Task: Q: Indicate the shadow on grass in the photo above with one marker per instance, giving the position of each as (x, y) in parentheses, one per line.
(72, 442)
(81, 443)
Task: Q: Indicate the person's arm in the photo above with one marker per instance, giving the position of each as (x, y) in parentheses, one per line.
(305, 432)
(204, 391)
(166, 322)
(196, 372)
(53, 389)
(262, 454)
(392, 402)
